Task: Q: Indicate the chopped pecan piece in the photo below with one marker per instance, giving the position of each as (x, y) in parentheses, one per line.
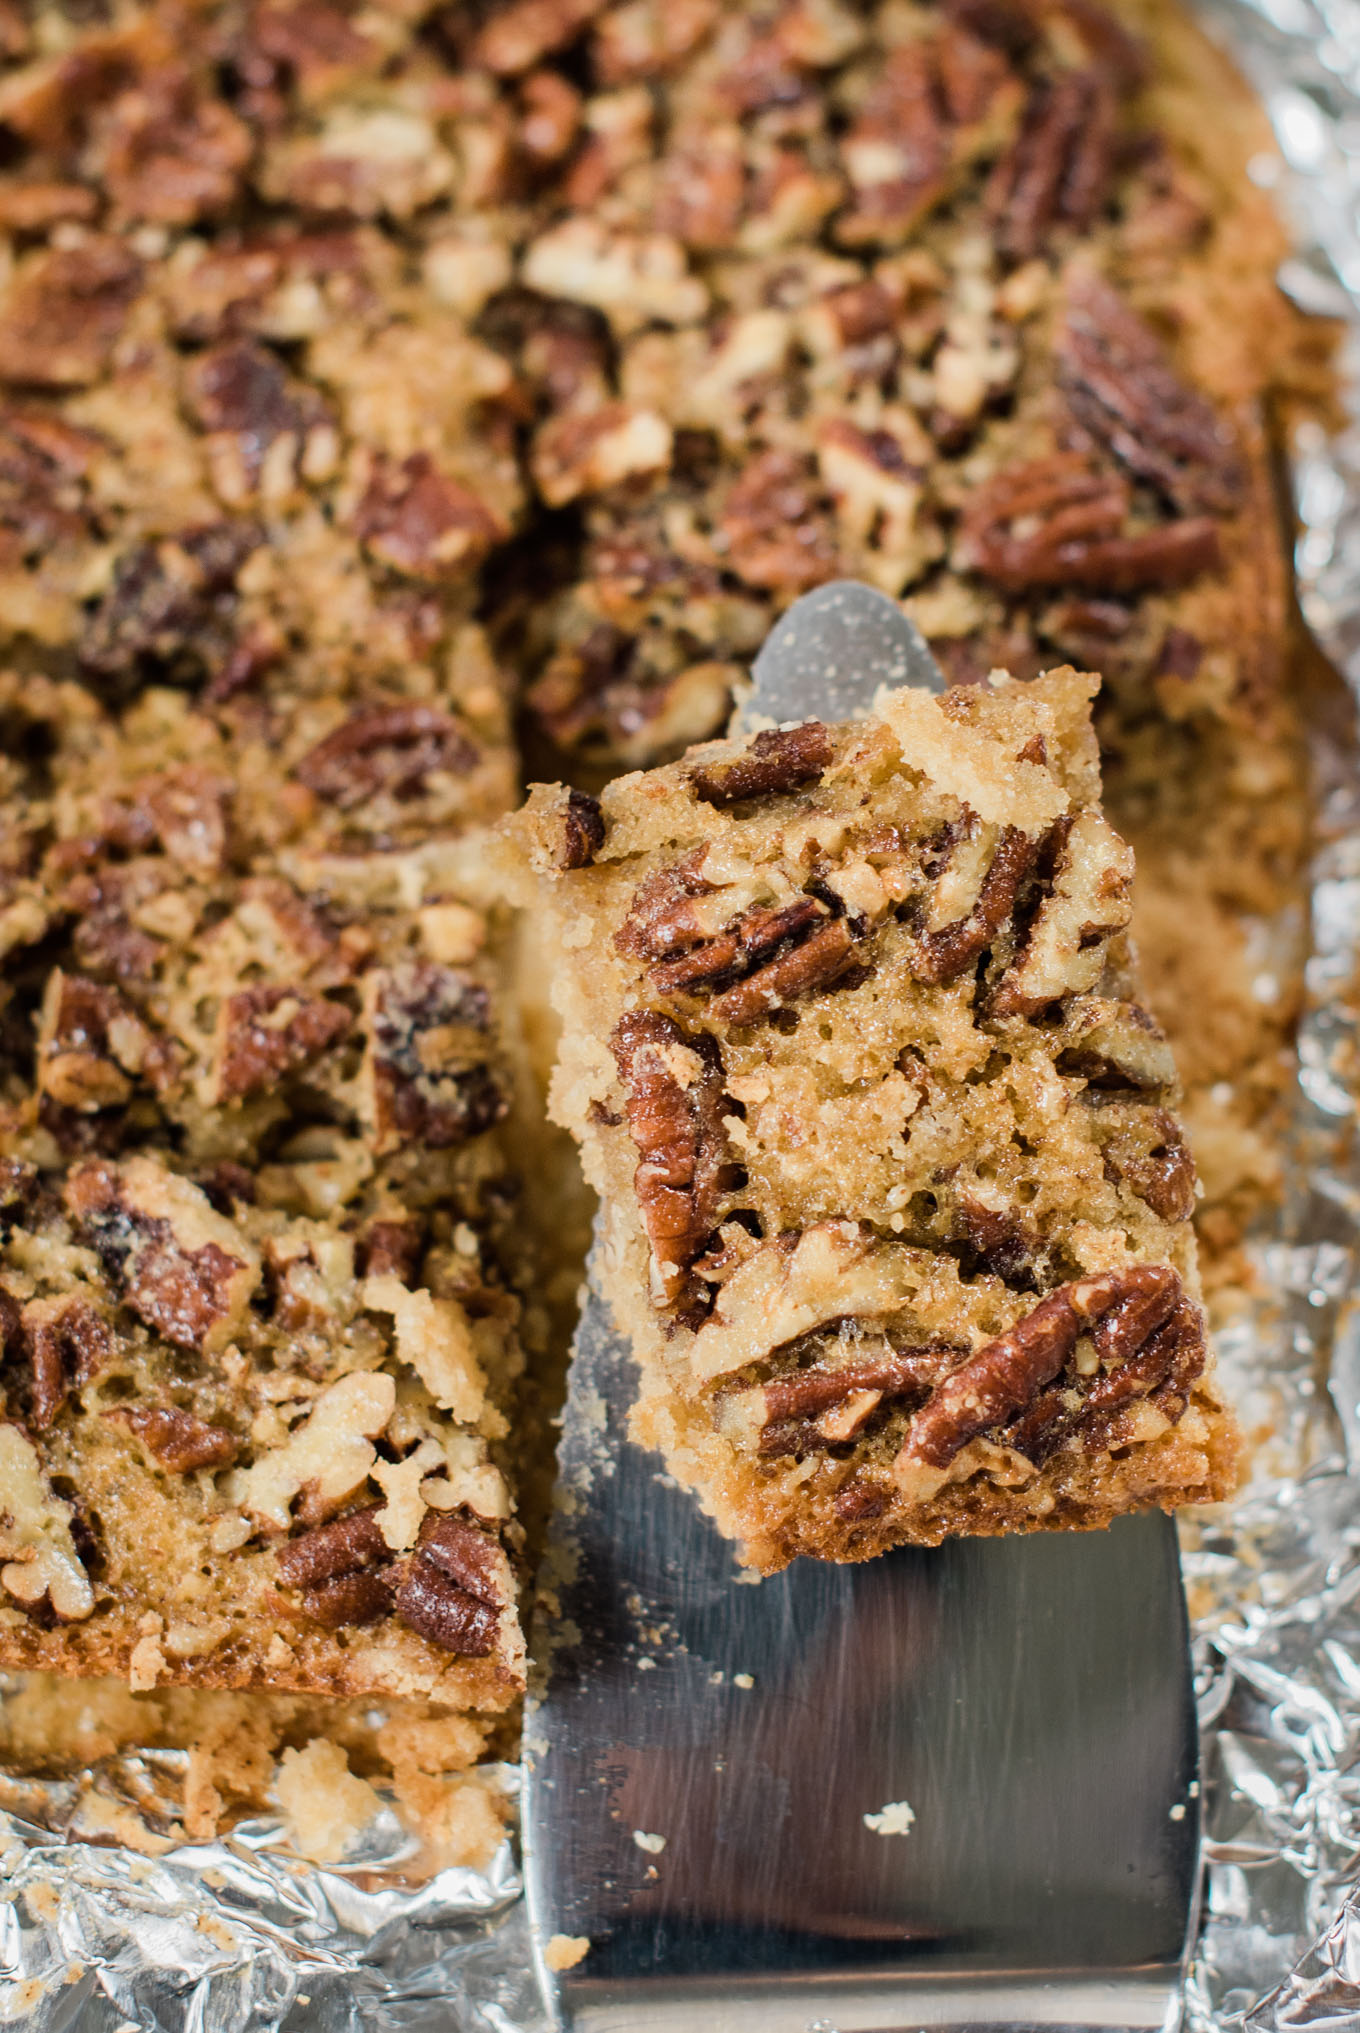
(819, 1407)
(1163, 1369)
(183, 1269)
(437, 1609)
(943, 955)
(392, 1249)
(106, 940)
(176, 1439)
(649, 38)
(1089, 898)
(673, 1100)
(449, 1589)
(390, 748)
(1002, 1243)
(587, 452)
(818, 961)
(423, 523)
(661, 918)
(1122, 387)
(745, 942)
(92, 1045)
(1117, 1047)
(328, 1551)
(1058, 522)
(260, 427)
(171, 603)
(44, 498)
(1120, 1310)
(64, 312)
(66, 1343)
(428, 1073)
(188, 811)
(776, 760)
(172, 154)
(352, 1600)
(861, 1499)
(1059, 170)
(582, 831)
(267, 1032)
(522, 34)
(1157, 1167)
(701, 190)
(903, 124)
(779, 525)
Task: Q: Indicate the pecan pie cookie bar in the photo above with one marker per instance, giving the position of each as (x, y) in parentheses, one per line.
(896, 1206)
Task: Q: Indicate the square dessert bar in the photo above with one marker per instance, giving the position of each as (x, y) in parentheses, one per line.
(258, 1254)
(896, 1208)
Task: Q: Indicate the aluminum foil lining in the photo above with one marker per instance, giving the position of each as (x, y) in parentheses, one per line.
(241, 1932)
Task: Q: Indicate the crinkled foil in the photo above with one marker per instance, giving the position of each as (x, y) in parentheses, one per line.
(241, 1932)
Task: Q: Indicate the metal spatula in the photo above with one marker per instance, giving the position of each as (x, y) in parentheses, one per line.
(950, 1788)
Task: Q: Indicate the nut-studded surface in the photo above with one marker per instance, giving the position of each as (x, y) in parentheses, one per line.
(897, 1206)
(258, 1240)
(257, 1268)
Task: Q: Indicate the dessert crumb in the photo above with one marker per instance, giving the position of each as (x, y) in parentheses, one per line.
(896, 1818)
(564, 1951)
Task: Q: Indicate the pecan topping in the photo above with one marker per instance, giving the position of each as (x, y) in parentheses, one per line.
(1001, 1242)
(422, 523)
(178, 1440)
(778, 759)
(344, 1570)
(779, 525)
(183, 1269)
(63, 313)
(171, 604)
(820, 1407)
(43, 493)
(942, 956)
(66, 1343)
(1087, 873)
(106, 940)
(448, 1590)
(92, 1045)
(661, 918)
(673, 1098)
(1120, 1309)
(1122, 387)
(265, 1033)
(390, 748)
(244, 399)
(392, 1249)
(173, 154)
(583, 831)
(901, 152)
(1058, 522)
(745, 942)
(1150, 1156)
(819, 960)
(1117, 1047)
(328, 1551)
(428, 1072)
(588, 452)
(1058, 172)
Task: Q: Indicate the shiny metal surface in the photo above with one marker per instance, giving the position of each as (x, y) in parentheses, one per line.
(947, 1789)
(827, 656)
